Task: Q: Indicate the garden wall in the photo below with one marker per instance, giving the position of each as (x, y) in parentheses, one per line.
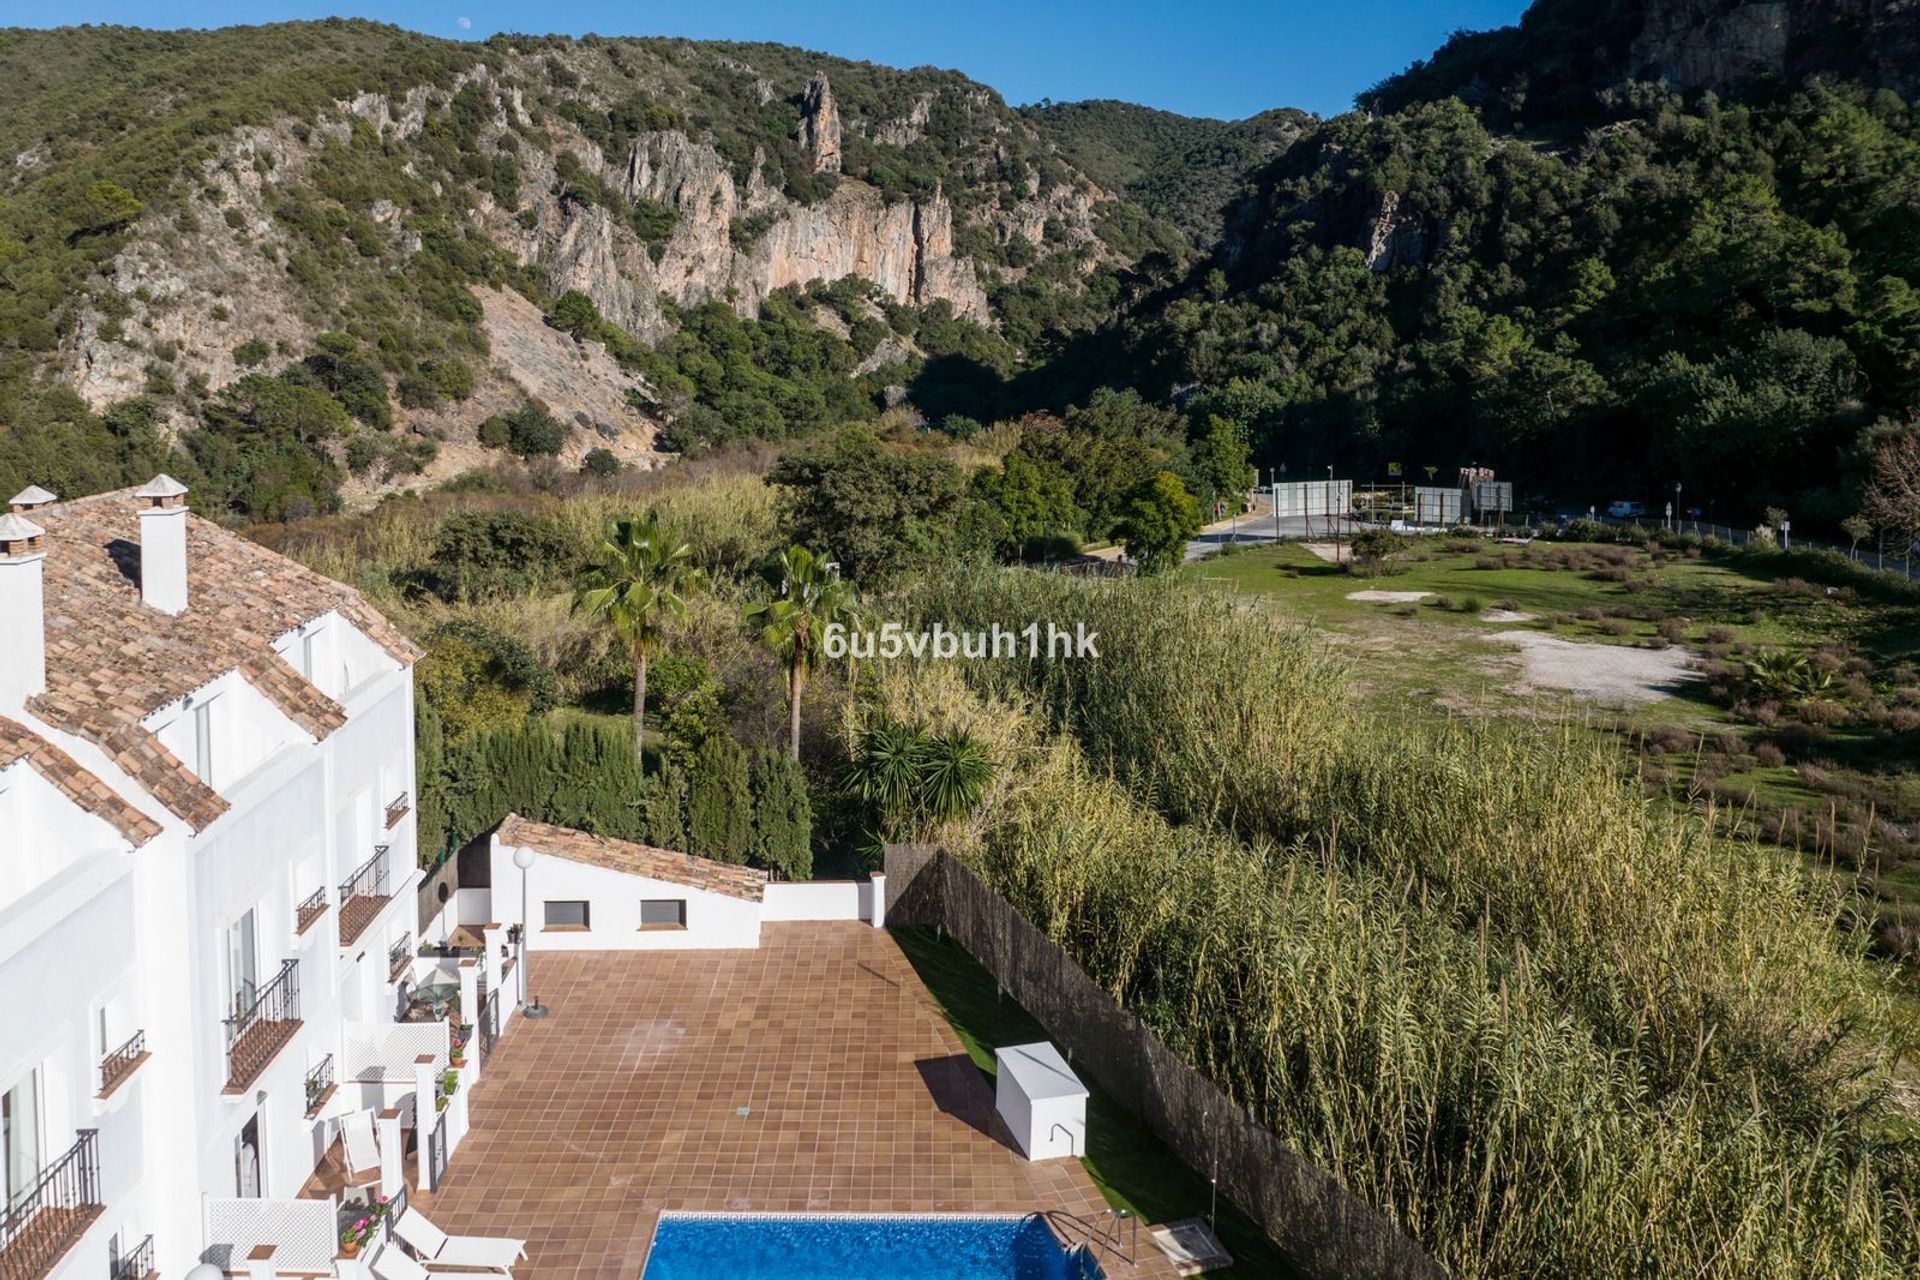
(1328, 1231)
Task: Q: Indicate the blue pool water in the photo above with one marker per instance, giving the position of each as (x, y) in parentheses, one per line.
(775, 1248)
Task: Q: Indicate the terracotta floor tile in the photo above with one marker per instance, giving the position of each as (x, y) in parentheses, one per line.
(813, 1074)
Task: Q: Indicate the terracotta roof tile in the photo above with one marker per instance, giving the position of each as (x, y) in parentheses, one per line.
(17, 742)
(112, 661)
(745, 883)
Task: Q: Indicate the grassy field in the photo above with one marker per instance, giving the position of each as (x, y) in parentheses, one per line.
(1131, 1168)
(1837, 776)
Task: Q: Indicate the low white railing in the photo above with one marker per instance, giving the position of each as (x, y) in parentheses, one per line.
(386, 1052)
(302, 1233)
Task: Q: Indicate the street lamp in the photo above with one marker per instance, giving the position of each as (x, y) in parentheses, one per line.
(529, 1005)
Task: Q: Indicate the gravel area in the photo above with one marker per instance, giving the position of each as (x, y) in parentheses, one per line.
(1603, 673)
(1389, 597)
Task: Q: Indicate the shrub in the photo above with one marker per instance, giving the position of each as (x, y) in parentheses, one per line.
(490, 555)
(719, 802)
(529, 431)
(601, 462)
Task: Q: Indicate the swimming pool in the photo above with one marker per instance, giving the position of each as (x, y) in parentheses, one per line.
(784, 1247)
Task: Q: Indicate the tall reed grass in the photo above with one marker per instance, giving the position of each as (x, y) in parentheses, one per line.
(1554, 1027)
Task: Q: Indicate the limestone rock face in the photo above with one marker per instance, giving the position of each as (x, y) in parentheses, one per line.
(820, 125)
(1393, 239)
(906, 247)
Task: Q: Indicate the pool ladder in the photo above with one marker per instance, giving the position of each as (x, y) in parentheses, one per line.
(1105, 1231)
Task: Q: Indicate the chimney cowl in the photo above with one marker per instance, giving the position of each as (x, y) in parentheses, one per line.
(31, 498)
(162, 491)
(19, 536)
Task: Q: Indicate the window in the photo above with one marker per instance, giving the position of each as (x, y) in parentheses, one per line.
(570, 914)
(663, 913)
(243, 972)
(203, 741)
(19, 1140)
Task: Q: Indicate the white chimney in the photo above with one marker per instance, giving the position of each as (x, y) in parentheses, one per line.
(163, 543)
(23, 611)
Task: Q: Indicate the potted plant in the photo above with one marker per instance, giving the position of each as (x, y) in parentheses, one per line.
(355, 1237)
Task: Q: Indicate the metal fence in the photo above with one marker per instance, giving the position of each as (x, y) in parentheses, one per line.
(1874, 558)
(41, 1221)
(1326, 1229)
(487, 1024)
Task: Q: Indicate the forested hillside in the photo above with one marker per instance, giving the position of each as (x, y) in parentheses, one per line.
(1608, 251)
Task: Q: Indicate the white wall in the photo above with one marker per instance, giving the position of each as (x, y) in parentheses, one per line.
(713, 920)
(818, 900)
(42, 832)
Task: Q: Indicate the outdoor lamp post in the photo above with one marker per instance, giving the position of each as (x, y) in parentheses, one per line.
(529, 1005)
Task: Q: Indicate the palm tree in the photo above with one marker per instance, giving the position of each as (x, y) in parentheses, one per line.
(793, 623)
(640, 583)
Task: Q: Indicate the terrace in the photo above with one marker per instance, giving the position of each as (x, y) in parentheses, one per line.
(814, 1074)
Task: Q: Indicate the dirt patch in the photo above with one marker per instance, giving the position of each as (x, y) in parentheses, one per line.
(1389, 597)
(1506, 615)
(1604, 673)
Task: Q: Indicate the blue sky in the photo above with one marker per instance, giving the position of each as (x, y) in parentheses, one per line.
(1226, 58)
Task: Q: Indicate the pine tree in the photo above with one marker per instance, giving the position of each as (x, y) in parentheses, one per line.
(782, 816)
(719, 804)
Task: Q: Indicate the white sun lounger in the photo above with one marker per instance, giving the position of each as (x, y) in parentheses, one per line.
(392, 1263)
(436, 1248)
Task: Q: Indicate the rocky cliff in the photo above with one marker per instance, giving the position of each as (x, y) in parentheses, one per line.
(650, 176)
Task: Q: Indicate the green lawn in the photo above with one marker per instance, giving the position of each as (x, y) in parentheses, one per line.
(1131, 1167)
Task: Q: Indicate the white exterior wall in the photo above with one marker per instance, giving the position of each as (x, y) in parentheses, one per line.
(818, 900)
(143, 933)
(714, 920)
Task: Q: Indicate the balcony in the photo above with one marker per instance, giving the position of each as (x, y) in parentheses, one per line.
(320, 1086)
(121, 1063)
(399, 808)
(362, 896)
(399, 958)
(43, 1221)
(263, 1028)
(314, 906)
(136, 1263)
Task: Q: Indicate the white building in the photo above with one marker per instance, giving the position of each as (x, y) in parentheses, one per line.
(207, 876)
(587, 892)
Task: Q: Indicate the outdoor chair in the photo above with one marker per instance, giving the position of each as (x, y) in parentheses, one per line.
(359, 1150)
(436, 1248)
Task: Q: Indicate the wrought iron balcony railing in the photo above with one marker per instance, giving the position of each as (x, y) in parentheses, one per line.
(263, 1027)
(119, 1064)
(400, 806)
(362, 895)
(41, 1222)
(319, 1085)
(369, 879)
(310, 910)
(399, 957)
(136, 1263)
